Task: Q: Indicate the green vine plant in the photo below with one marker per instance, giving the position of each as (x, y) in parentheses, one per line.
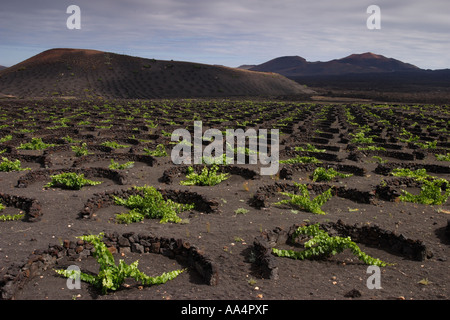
(151, 206)
(240, 150)
(433, 191)
(70, 180)
(117, 166)
(430, 193)
(8, 165)
(322, 174)
(301, 159)
(322, 245)
(35, 144)
(409, 136)
(114, 145)
(224, 160)
(304, 201)
(371, 148)
(81, 150)
(443, 157)
(378, 159)
(160, 151)
(360, 136)
(208, 177)
(6, 138)
(309, 148)
(110, 275)
(418, 175)
(427, 145)
(69, 139)
(9, 217)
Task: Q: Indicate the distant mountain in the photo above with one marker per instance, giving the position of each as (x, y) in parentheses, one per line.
(282, 65)
(89, 73)
(377, 63)
(2, 67)
(295, 66)
(247, 66)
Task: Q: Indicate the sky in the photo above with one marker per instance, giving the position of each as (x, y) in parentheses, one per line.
(231, 32)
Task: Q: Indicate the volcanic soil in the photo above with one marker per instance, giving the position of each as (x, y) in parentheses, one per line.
(226, 235)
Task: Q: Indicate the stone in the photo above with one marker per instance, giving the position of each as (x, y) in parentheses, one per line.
(79, 249)
(123, 242)
(136, 247)
(354, 293)
(145, 243)
(66, 244)
(113, 250)
(133, 238)
(124, 249)
(155, 247)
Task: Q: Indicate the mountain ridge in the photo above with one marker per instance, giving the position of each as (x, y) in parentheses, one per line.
(368, 62)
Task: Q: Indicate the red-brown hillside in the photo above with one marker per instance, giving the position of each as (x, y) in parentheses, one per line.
(91, 73)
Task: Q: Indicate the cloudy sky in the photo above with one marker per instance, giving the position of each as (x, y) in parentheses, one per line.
(231, 32)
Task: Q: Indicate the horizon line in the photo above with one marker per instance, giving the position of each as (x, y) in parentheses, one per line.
(218, 64)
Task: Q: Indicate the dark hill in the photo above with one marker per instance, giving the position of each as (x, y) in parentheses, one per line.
(90, 73)
(377, 63)
(281, 65)
(295, 66)
(247, 66)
